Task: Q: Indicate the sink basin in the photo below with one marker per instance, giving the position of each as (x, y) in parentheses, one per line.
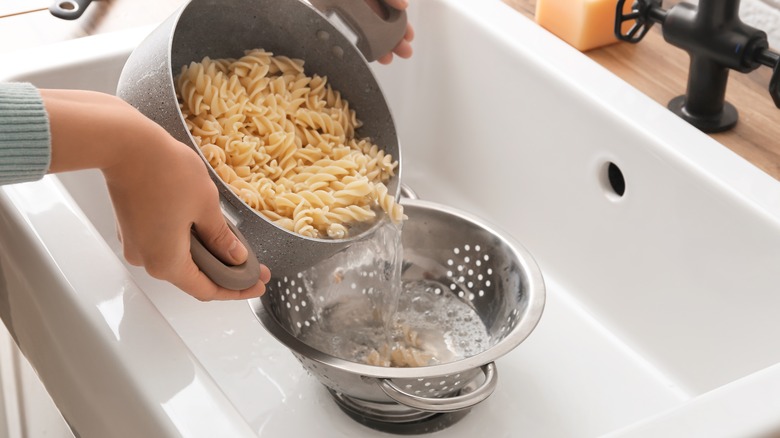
(658, 245)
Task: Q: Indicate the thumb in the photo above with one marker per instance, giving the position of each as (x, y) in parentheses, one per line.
(220, 240)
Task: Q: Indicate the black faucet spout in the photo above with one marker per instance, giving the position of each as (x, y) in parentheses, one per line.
(716, 41)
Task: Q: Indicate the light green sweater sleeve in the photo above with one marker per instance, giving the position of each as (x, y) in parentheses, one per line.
(25, 140)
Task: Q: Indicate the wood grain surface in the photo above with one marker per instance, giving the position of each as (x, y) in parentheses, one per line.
(660, 70)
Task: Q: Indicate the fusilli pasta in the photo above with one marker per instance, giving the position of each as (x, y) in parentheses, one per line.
(285, 143)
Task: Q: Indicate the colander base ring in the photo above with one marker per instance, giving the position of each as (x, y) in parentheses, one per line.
(394, 417)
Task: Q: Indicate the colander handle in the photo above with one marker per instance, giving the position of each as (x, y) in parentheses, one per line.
(377, 36)
(444, 404)
(233, 277)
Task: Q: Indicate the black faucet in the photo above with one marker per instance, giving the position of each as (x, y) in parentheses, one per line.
(717, 42)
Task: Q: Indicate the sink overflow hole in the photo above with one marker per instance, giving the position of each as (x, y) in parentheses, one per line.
(616, 180)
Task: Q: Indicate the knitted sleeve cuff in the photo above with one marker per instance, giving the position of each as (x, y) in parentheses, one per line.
(25, 139)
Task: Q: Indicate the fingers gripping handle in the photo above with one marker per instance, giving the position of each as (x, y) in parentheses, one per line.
(377, 36)
(233, 277)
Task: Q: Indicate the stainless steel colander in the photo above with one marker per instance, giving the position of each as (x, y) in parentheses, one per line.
(471, 261)
(225, 29)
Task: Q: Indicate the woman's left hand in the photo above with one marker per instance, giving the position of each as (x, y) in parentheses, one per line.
(404, 47)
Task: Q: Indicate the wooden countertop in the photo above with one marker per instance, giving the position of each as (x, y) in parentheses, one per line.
(652, 66)
(660, 70)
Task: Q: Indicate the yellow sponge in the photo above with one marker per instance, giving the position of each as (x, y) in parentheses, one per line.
(585, 24)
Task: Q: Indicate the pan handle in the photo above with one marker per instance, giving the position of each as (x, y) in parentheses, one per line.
(233, 277)
(69, 9)
(377, 36)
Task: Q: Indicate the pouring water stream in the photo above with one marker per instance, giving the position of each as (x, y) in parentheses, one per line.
(369, 314)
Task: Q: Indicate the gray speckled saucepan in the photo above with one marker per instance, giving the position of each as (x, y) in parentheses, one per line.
(225, 29)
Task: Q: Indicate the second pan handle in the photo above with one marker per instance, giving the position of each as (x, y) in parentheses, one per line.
(69, 9)
(377, 36)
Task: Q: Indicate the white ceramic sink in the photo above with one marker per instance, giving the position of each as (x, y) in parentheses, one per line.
(661, 315)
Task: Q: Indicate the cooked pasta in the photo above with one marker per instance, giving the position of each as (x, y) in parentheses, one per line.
(285, 143)
(406, 352)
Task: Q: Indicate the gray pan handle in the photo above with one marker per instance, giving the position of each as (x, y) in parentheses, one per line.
(69, 9)
(233, 277)
(376, 36)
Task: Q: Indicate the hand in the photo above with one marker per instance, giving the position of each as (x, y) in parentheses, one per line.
(159, 188)
(404, 47)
